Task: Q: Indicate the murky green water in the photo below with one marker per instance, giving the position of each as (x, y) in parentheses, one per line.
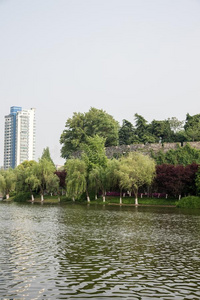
(81, 252)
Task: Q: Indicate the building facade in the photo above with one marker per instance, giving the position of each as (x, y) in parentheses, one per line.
(19, 136)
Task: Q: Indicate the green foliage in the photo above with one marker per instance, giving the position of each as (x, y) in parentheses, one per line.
(98, 122)
(22, 197)
(127, 134)
(43, 171)
(192, 127)
(52, 183)
(81, 126)
(26, 180)
(160, 157)
(161, 130)
(112, 173)
(76, 170)
(175, 125)
(197, 181)
(46, 155)
(95, 159)
(7, 181)
(99, 179)
(94, 152)
(142, 130)
(181, 156)
(189, 202)
(136, 170)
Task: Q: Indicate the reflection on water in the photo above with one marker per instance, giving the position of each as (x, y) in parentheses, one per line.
(89, 252)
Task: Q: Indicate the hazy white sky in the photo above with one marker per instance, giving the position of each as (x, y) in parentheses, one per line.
(123, 56)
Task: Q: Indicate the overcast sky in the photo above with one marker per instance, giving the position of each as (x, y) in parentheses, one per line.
(122, 56)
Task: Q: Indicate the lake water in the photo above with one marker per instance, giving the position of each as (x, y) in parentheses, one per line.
(96, 252)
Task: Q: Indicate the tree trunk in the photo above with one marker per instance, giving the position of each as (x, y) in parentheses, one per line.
(95, 196)
(120, 197)
(32, 198)
(179, 197)
(136, 196)
(103, 195)
(73, 199)
(42, 197)
(88, 197)
(7, 196)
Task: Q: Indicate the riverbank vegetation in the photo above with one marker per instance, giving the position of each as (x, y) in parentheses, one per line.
(133, 179)
(189, 202)
(92, 176)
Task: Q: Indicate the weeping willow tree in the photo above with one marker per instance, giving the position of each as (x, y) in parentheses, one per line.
(136, 170)
(99, 180)
(7, 181)
(76, 178)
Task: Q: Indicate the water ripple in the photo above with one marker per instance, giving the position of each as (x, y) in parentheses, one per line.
(80, 252)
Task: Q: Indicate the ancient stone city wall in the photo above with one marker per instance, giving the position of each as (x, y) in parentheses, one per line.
(117, 151)
(122, 149)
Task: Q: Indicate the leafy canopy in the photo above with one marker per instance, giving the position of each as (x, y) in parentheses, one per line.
(46, 155)
(76, 171)
(84, 125)
(136, 170)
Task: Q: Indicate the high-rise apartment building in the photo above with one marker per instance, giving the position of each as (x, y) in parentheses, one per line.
(19, 137)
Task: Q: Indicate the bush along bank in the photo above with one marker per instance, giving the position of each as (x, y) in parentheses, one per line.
(189, 202)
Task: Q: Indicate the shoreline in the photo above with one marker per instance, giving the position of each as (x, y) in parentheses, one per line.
(153, 205)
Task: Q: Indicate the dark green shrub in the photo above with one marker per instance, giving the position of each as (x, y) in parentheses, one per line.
(22, 197)
(189, 202)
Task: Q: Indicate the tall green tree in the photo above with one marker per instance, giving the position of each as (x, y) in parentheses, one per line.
(115, 176)
(43, 170)
(26, 178)
(136, 170)
(175, 124)
(81, 126)
(7, 182)
(192, 127)
(46, 155)
(127, 134)
(94, 156)
(52, 184)
(99, 179)
(143, 130)
(76, 174)
(161, 131)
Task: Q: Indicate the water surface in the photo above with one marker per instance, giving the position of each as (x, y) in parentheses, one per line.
(96, 252)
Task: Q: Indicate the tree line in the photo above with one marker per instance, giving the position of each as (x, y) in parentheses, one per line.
(93, 174)
(98, 122)
(174, 173)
